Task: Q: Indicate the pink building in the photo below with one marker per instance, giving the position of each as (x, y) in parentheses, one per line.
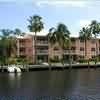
(25, 48)
(45, 50)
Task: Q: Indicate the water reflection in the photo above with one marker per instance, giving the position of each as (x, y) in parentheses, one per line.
(13, 79)
(13, 76)
(55, 83)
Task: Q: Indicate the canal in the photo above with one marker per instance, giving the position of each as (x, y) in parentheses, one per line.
(78, 83)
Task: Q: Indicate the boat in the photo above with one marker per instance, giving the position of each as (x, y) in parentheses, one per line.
(13, 69)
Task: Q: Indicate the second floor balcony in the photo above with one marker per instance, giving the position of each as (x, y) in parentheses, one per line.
(71, 52)
(22, 45)
(42, 52)
(44, 43)
(22, 53)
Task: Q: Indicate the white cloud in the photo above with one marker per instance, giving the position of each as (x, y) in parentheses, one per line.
(79, 25)
(84, 22)
(6, 0)
(43, 32)
(61, 3)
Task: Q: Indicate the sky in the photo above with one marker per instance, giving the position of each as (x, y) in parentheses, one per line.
(75, 14)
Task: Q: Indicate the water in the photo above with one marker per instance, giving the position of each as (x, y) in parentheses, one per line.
(77, 83)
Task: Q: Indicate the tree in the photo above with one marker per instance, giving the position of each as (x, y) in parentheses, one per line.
(6, 44)
(59, 35)
(85, 35)
(95, 31)
(35, 25)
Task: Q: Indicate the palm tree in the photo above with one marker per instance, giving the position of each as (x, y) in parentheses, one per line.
(59, 35)
(95, 31)
(85, 35)
(17, 32)
(35, 25)
(11, 50)
(6, 44)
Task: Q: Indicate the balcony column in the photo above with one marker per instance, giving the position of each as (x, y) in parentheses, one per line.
(17, 47)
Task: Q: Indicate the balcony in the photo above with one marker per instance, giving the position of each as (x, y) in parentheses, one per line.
(22, 53)
(42, 52)
(71, 52)
(56, 52)
(42, 43)
(22, 45)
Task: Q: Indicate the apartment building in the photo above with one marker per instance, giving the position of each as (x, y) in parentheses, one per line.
(45, 50)
(42, 48)
(25, 47)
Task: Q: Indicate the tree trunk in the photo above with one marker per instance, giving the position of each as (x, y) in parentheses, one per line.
(70, 60)
(96, 54)
(5, 55)
(86, 49)
(48, 55)
(62, 54)
(96, 49)
(87, 60)
(17, 47)
(63, 58)
(35, 53)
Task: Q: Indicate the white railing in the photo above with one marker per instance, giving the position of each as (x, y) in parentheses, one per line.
(22, 45)
(71, 51)
(42, 51)
(56, 52)
(42, 43)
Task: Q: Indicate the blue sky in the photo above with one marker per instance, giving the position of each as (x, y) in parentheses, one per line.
(74, 13)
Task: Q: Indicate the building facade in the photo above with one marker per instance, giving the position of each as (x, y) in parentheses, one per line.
(45, 50)
(25, 48)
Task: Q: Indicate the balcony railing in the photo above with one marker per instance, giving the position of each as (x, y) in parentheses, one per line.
(42, 43)
(22, 53)
(56, 52)
(39, 52)
(71, 52)
(22, 45)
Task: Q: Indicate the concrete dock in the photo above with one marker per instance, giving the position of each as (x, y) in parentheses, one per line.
(25, 68)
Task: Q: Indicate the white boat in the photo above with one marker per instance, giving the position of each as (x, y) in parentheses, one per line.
(13, 69)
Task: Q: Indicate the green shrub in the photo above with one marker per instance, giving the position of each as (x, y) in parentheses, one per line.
(55, 60)
(82, 60)
(39, 61)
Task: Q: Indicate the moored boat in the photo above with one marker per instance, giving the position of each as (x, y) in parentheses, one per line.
(13, 69)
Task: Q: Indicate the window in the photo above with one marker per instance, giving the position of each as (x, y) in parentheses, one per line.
(42, 48)
(30, 50)
(81, 57)
(22, 41)
(28, 40)
(73, 40)
(22, 49)
(81, 49)
(92, 49)
(56, 48)
(93, 41)
(73, 48)
(65, 48)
